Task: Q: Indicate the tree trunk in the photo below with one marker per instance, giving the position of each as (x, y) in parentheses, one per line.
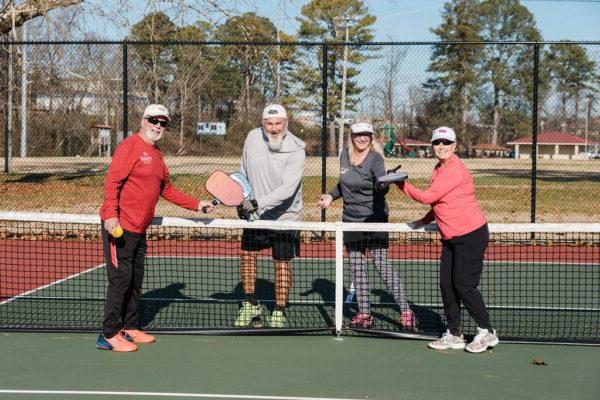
(180, 150)
(332, 136)
(496, 122)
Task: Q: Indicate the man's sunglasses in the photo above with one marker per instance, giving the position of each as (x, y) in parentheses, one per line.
(446, 142)
(156, 121)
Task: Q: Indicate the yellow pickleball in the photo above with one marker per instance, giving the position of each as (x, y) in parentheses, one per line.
(117, 232)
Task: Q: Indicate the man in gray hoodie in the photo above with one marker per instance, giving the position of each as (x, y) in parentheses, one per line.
(273, 160)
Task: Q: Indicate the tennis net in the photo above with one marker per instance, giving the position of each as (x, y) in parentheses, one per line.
(540, 281)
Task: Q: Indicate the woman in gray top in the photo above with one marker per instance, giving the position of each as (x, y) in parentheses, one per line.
(361, 163)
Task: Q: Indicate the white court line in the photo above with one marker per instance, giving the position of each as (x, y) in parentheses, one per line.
(51, 284)
(433, 262)
(160, 394)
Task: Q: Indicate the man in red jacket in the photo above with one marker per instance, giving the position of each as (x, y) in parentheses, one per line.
(137, 176)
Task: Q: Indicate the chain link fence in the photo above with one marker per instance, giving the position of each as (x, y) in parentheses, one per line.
(526, 115)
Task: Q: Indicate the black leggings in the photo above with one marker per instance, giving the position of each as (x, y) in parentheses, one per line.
(460, 271)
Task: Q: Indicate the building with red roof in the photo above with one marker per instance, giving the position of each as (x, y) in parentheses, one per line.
(417, 147)
(554, 145)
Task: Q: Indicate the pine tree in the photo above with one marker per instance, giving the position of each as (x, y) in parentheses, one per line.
(508, 68)
(457, 77)
(327, 20)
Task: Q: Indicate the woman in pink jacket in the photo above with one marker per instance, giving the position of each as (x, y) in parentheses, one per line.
(465, 237)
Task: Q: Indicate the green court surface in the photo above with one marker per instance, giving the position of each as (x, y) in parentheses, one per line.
(67, 366)
(525, 300)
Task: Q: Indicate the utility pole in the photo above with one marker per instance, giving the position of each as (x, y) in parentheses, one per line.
(343, 102)
(280, 22)
(9, 97)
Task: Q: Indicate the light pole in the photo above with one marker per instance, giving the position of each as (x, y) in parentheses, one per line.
(343, 100)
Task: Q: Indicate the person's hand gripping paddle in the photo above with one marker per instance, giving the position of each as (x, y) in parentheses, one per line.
(229, 190)
(392, 176)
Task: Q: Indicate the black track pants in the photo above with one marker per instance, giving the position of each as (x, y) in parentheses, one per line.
(460, 271)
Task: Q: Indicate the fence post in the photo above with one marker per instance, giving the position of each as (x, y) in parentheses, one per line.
(324, 129)
(8, 106)
(125, 94)
(534, 129)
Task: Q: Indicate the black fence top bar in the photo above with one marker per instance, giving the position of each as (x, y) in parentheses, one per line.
(300, 43)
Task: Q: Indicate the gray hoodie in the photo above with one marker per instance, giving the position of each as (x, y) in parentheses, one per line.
(276, 177)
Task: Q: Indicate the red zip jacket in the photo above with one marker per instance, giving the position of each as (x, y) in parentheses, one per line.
(451, 195)
(137, 176)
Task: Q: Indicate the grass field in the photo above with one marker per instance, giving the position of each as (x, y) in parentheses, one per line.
(566, 189)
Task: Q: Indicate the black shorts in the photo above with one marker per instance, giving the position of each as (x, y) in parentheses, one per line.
(285, 244)
(360, 241)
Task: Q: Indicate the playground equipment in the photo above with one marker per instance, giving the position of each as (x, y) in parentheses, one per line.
(389, 149)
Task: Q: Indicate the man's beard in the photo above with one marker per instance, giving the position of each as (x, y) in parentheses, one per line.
(155, 137)
(275, 145)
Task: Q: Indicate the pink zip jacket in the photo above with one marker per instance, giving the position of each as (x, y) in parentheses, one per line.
(451, 195)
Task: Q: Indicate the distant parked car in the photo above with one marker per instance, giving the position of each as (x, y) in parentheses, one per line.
(593, 155)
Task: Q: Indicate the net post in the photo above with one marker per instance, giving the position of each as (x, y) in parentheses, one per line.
(339, 277)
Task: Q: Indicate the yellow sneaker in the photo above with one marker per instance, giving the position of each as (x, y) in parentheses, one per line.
(277, 319)
(247, 313)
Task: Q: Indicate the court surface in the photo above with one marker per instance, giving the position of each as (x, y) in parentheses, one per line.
(289, 367)
(533, 300)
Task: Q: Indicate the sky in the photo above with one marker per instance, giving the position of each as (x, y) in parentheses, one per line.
(411, 20)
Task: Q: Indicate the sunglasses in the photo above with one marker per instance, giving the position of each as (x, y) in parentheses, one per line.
(156, 121)
(445, 142)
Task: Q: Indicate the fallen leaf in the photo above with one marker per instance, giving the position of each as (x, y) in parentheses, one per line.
(535, 361)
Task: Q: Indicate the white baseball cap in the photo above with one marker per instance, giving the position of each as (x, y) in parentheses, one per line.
(362, 127)
(274, 110)
(443, 132)
(156, 110)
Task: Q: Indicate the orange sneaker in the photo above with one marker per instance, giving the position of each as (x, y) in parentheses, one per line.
(137, 336)
(116, 343)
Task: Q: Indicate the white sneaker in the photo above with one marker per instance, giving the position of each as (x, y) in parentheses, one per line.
(448, 341)
(482, 341)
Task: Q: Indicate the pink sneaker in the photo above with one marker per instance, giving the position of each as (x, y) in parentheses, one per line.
(362, 321)
(408, 320)
(137, 336)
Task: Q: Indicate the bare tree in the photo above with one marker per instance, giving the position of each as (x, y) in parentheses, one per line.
(13, 16)
(390, 69)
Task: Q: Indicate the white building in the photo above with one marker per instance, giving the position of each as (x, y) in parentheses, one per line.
(554, 145)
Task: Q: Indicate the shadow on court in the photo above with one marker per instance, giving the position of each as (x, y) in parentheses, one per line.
(264, 289)
(156, 300)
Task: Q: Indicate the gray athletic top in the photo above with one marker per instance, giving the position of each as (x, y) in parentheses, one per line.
(358, 188)
(276, 177)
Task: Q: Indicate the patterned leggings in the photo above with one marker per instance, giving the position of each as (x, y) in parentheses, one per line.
(358, 265)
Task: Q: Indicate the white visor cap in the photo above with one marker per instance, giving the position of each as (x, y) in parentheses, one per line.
(443, 132)
(362, 127)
